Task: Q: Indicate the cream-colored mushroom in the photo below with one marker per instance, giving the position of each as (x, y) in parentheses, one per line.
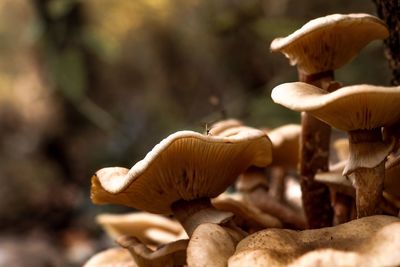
(150, 229)
(179, 175)
(169, 255)
(317, 49)
(210, 245)
(327, 43)
(360, 110)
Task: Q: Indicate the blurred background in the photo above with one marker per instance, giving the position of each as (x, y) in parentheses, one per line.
(96, 83)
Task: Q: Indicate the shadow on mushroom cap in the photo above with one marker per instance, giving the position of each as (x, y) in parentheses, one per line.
(281, 247)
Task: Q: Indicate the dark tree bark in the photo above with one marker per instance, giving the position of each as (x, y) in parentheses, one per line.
(389, 11)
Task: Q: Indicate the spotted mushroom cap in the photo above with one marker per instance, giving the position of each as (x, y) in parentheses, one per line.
(357, 107)
(327, 43)
(366, 237)
(185, 165)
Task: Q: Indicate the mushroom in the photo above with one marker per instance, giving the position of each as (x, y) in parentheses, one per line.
(182, 173)
(317, 49)
(253, 182)
(113, 257)
(368, 236)
(342, 193)
(360, 110)
(220, 126)
(268, 198)
(285, 150)
(210, 245)
(169, 255)
(150, 229)
(247, 216)
(327, 43)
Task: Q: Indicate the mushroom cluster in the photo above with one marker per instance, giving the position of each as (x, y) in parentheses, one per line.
(280, 180)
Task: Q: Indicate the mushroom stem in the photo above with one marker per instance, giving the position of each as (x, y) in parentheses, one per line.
(367, 169)
(369, 185)
(314, 157)
(314, 154)
(192, 213)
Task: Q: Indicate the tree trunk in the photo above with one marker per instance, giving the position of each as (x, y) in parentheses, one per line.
(389, 11)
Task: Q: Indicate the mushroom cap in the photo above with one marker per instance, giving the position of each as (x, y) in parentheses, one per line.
(223, 125)
(337, 181)
(285, 145)
(148, 228)
(171, 254)
(113, 257)
(357, 107)
(280, 247)
(245, 212)
(327, 43)
(184, 166)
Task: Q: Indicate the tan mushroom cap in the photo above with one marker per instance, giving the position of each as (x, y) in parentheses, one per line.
(148, 228)
(281, 247)
(223, 125)
(327, 43)
(245, 212)
(210, 245)
(113, 257)
(357, 107)
(171, 254)
(285, 145)
(184, 166)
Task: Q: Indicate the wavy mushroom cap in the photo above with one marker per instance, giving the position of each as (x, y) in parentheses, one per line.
(357, 107)
(327, 43)
(184, 166)
(148, 228)
(285, 145)
(369, 236)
